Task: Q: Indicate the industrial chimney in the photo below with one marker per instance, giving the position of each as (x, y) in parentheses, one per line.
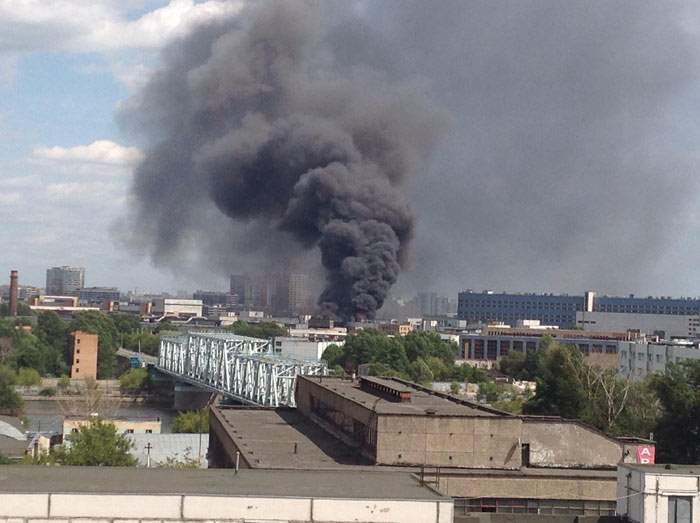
(13, 293)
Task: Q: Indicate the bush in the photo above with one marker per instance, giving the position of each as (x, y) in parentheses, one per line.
(134, 379)
(10, 401)
(192, 421)
(48, 392)
(28, 377)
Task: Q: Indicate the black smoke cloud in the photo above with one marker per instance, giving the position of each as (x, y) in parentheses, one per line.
(572, 162)
(260, 116)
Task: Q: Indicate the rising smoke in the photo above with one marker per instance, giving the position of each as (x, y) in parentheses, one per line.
(261, 116)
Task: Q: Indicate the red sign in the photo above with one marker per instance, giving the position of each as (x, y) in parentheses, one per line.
(646, 454)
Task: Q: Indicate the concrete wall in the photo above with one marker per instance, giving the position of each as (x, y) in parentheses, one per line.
(448, 441)
(566, 444)
(130, 508)
(84, 365)
(528, 486)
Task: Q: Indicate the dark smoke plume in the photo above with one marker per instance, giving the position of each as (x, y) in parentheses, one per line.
(262, 116)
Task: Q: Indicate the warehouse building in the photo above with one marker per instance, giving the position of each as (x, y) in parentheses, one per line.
(482, 457)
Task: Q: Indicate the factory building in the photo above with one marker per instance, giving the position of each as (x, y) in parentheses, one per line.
(302, 349)
(179, 307)
(65, 281)
(485, 459)
(561, 309)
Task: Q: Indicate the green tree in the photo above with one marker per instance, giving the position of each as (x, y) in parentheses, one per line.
(96, 444)
(53, 331)
(5, 460)
(96, 322)
(559, 390)
(134, 380)
(455, 387)
(126, 323)
(28, 377)
(192, 421)
(488, 391)
(420, 372)
(513, 365)
(143, 341)
(265, 329)
(10, 401)
(424, 345)
(333, 355)
(678, 430)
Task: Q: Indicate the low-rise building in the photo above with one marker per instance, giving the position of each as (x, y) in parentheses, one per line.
(658, 493)
(302, 349)
(98, 295)
(484, 458)
(639, 359)
(13, 441)
(72, 425)
(155, 449)
(177, 307)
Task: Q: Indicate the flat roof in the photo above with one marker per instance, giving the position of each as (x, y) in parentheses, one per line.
(267, 439)
(214, 482)
(665, 468)
(421, 402)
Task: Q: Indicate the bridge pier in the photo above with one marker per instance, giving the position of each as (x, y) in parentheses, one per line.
(189, 397)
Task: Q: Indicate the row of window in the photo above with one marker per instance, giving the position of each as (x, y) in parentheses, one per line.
(535, 506)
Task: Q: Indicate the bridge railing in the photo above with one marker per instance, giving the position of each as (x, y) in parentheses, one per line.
(237, 366)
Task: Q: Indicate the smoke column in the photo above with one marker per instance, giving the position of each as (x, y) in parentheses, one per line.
(261, 116)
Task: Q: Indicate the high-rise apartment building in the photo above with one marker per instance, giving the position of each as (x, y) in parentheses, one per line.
(432, 304)
(278, 292)
(65, 281)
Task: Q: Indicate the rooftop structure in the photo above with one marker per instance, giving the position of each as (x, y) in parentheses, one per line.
(276, 439)
(65, 280)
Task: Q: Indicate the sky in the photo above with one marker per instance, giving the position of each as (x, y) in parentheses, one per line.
(569, 163)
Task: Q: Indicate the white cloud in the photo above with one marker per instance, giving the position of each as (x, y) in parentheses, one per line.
(10, 198)
(98, 25)
(100, 152)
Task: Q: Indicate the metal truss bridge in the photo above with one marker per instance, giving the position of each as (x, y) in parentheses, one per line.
(242, 368)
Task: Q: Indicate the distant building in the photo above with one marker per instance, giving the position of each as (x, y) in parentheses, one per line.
(639, 359)
(216, 298)
(97, 295)
(177, 307)
(64, 306)
(658, 493)
(275, 292)
(71, 425)
(431, 304)
(302, 349)
(663, 325)
(85, 349)
(65, 281)
(560, 310)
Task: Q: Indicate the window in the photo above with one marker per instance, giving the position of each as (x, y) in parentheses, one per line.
(129, 431)
(77, 370)
(149, 431)
(77, 361)
(77, 351)
(74, 430)
(680, 509)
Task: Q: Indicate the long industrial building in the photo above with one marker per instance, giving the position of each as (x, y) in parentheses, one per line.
(486, 459)
(561, 309)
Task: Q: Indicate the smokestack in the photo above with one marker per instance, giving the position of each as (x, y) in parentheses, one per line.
(13, 293)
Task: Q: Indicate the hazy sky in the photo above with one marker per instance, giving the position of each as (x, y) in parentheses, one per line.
(569, 162)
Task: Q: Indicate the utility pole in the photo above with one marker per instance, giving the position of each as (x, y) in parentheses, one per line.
(148, 455)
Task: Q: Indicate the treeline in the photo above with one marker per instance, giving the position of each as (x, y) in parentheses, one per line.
(47, 346)
(422, 357)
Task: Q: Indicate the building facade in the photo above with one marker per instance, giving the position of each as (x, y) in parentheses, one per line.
(561, 309)
(65, 281)
(665, 326)
(85, 349)
(638, 359)
(97, 295)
